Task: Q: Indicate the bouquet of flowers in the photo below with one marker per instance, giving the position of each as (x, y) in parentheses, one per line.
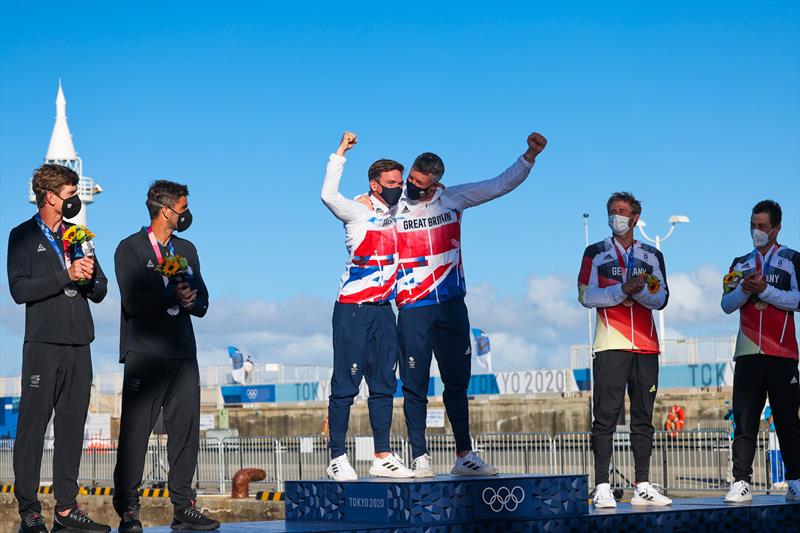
(79, 241)
(731, 281)
(174, 268)
(652, 282)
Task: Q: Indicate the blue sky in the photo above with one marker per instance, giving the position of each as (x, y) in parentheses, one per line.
(692, 106)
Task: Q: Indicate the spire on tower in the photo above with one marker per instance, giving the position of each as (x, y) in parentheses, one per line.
(61, 147)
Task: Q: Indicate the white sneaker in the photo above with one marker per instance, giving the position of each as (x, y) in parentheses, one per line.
(340, 469)
(603, 497)
(472, 465)
(389, 466)
(422, 466)
(646, 494)
(739, 492)
(793, 492)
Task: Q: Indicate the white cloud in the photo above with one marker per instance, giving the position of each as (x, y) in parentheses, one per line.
(532, 329)
(695, 296)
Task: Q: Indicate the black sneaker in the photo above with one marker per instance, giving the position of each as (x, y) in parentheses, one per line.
(76, 521)
(31, 522)
(130, 522)
(190, 518)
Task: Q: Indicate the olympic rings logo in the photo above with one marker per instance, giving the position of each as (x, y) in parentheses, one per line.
(503, 498)
(252, 394)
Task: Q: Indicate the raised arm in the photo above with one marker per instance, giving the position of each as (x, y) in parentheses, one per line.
(342, 208)
(472, 194)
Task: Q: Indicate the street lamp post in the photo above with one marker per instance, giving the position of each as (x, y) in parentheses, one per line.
(588, 311)
(673, 221)
(589, 322)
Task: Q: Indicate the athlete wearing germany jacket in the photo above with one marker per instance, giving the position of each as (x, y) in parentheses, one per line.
(430, 297)
(763, 286)
(364, 326)
(625, 280)
(44, 275)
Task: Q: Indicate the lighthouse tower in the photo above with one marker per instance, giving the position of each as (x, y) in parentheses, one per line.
(61, 151)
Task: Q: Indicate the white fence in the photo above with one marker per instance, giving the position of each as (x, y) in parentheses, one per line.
(691, 460)
(689, 351)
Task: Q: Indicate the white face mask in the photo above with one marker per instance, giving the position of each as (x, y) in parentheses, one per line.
(619, 224)
(760, 238)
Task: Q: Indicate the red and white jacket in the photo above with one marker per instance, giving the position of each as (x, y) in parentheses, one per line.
(370, 238)
(429, 237)
(623, 322)
(766, 320)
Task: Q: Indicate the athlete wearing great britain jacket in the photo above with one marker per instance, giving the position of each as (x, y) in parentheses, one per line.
(763, 286)
(625, 280)
(430, 297)
(364, 326)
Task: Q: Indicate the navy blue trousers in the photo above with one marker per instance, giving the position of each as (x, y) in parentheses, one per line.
(441, 329)
(364, 346)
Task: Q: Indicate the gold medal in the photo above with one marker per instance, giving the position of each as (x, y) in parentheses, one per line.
(628, 303)
(761, 305)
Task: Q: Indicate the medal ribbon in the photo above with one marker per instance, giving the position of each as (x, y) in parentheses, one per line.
(767, 257)
(63, 251)
(626, 263)
(157, 248)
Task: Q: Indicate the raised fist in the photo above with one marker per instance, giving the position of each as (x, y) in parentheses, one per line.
(536, 143)
(348, 141)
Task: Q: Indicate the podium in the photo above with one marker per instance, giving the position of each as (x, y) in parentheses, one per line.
(552, 502)
(505, 503)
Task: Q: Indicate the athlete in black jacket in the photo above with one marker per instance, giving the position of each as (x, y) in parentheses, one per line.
(56, 361)
(158, 349)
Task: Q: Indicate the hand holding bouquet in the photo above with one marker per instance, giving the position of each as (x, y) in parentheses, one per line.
(174, 269)
(731, 281)
(78, 240)
(652, 283)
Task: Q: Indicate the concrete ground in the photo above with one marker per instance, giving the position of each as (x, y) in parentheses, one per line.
(155, 511)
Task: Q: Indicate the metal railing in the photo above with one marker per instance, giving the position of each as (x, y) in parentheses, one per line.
(694, 460)
(690, 351)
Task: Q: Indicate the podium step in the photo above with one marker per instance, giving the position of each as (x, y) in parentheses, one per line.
(765, 514)
(441, 501)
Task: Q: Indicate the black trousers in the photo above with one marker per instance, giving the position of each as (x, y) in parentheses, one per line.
(612, 370)
(150, 384)
(54, 376)
(754, 378)
(364, 346)
(441, 329)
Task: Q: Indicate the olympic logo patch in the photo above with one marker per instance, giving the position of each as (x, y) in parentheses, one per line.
(503, 499)
(252, 394)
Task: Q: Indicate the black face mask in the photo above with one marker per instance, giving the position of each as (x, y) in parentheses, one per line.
(391, 196)
(414, 192)
(70, 206)
(184, 220)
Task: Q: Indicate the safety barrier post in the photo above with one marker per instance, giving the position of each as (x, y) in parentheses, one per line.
(221, 463)
(279, 464)
(665, 469)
